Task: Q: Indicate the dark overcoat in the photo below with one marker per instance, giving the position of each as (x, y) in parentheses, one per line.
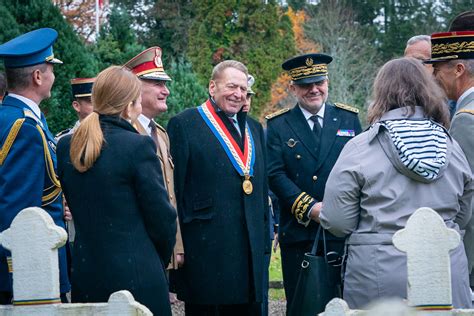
(27, 176)
(294, 166)
(125, 224)
(224, 230)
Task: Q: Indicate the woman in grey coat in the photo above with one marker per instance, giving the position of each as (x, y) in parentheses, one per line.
(406, 160)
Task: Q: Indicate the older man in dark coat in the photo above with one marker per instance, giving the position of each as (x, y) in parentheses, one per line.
(221, 188)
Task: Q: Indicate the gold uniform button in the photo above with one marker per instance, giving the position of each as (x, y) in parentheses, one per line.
(298, 156)
(315, 178)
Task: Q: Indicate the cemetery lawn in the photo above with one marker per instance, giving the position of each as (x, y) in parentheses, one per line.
(276, 275)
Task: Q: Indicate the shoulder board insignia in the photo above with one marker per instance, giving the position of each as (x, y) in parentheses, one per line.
(30, 114)
(62, 133)
(346, 107)
(465, 111)
(277, 113)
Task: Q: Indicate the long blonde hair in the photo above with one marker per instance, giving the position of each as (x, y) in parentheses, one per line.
(114, 89)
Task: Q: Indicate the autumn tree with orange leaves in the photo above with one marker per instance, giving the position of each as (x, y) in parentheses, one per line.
(280, 98)
(81, 15)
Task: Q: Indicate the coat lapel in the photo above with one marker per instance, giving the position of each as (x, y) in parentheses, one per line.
(331, 124)
(300, 127)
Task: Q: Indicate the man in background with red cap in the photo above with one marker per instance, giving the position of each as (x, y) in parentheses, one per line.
(148, 67)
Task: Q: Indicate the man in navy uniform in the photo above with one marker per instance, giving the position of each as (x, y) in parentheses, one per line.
(81, 102)
(303, 144)
(27, 147)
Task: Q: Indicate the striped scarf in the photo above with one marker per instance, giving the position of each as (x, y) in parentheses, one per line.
(421, 145)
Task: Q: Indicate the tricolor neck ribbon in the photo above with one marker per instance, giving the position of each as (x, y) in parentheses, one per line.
(242, 161)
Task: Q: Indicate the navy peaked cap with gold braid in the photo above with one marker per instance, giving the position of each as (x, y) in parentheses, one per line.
(451, 45)
(82, 87)
(308, 68)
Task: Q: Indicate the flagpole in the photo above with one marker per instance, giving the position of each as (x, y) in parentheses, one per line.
(96, 20)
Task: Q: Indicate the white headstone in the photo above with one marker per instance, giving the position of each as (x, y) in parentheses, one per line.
(123, 302)
(33, 240)
(390, 307)
(427, 242)
(336, 307)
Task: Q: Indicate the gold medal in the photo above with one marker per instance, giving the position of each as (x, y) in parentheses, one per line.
(247, 185)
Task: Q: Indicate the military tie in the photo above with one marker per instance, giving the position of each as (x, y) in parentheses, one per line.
(153, 135)
(317, 130)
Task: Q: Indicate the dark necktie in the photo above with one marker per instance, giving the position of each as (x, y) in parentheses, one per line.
(317, 131)
(236, 124)
(153, 135)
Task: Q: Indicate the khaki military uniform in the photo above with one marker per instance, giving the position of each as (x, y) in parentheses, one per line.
(167, 167)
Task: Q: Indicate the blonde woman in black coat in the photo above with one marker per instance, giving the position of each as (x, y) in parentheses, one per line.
(111, 177)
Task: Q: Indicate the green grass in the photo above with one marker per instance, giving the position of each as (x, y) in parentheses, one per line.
(275, 266)
(276, 275)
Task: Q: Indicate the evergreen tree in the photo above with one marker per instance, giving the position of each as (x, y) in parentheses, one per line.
(450, 8)
(252, 32)
(78, 61)
(297, 4)
(390, 23)
(170, 30)
(9, 28)
(117, 42)
(185, 91)
(355, 60)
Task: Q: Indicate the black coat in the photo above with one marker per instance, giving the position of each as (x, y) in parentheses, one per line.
(224, 230)
(295, 167)
(125, 225)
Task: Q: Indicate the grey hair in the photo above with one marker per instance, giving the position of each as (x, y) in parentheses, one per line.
(468, 64)
(220, 67)
(418, 38)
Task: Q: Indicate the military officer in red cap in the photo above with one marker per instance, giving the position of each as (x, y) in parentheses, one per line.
(452, 56)
(148, 66)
